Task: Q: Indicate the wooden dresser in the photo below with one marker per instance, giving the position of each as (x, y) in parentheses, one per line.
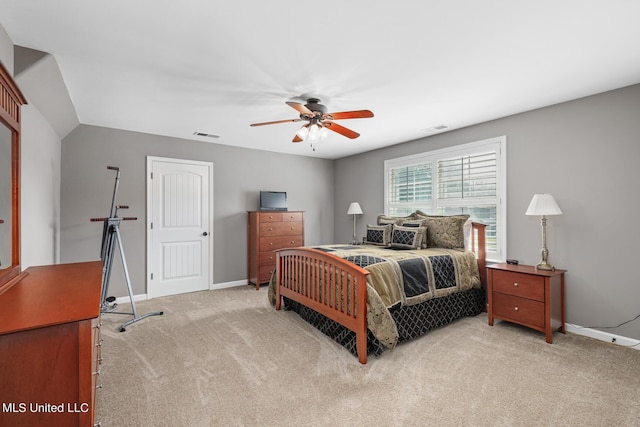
(266, 232)
(50, 346)
(527, 296)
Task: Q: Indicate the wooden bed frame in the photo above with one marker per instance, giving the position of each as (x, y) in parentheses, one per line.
(331, 285)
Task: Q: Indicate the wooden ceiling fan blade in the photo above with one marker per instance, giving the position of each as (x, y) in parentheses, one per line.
(358, 114)
(276, 122)
(297, 139)
(300, 108)
(341, 130)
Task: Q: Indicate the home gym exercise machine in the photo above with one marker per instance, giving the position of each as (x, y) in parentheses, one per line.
(111, 234)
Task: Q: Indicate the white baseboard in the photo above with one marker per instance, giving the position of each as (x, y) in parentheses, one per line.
(136, 298)
(603, 336)
(224, 285)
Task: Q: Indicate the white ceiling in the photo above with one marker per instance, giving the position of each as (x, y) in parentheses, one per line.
(176, 67)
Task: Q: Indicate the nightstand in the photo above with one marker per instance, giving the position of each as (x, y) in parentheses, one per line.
(524, 295)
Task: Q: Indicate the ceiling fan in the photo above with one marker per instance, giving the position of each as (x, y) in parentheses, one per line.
(318, 120)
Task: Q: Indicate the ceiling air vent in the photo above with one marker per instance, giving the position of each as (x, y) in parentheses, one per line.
(208, 135)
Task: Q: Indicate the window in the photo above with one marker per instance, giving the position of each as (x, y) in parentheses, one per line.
(465, 179)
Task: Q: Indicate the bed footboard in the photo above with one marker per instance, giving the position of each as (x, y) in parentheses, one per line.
(327, 284)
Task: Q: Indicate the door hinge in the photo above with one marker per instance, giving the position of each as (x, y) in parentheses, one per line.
(151, 175)
(151, 276)
(151, 226)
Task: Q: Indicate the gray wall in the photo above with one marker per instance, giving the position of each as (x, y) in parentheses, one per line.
(586, 154)
(239, 174)
(6, 50)
(40, 164)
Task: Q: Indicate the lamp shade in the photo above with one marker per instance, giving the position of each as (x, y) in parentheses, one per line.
(543, 205)
(354, 209)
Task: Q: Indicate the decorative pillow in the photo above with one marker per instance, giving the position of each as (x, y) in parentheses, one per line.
(378, 235)
(446, 231)
(467, 227)
(406, 237)
(395, 220)
(418, 223)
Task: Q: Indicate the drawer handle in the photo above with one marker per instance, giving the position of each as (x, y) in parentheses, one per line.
(515, 308)
(270, 217)
(515, 284)
(292, 228)
(97, 372)
(270, 229)
(293, 241)
(270, 258)
(270, 243)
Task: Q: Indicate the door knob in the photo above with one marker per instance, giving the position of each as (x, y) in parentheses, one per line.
(205, 234)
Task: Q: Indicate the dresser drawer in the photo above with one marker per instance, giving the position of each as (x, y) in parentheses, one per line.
(273, 243)
(271, 217)
(267, 258)
(519, 284)
(265, 273)
(281, 229)
(519, 310)
(292, 216)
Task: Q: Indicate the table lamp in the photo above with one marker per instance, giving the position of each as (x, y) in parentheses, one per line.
(543, 205)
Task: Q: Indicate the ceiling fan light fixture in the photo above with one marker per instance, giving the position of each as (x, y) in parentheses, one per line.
(314, 132)
(303, 132)
(324, 133)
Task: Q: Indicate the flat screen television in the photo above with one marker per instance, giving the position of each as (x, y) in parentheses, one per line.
(273, 201)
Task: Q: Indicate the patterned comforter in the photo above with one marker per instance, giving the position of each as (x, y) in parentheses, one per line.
(405, 277)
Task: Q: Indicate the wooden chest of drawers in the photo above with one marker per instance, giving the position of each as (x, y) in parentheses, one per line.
(266, 232)
(533, 298)
(50, 346)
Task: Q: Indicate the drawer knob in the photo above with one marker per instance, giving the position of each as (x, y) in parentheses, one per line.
(516, 308)
(515, 284)
(293, 241)
(270, 243)
(270, 229)
(292, 228)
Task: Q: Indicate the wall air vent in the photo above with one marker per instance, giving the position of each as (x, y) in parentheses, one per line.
(208, 135)
(434, 129)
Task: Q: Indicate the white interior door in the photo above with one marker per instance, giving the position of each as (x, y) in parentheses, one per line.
(179, 220)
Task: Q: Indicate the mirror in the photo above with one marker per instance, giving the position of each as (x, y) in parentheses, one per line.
(5, 198)
(10, 101)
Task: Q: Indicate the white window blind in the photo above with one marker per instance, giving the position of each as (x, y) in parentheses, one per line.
(466, 179)
(410, 187)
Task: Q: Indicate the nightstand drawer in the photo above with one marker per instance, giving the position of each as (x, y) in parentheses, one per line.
(519, 284)
(519, 310)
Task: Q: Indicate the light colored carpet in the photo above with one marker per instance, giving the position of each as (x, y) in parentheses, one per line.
(227, 358)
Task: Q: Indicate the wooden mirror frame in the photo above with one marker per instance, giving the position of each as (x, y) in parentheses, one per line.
(10, 101)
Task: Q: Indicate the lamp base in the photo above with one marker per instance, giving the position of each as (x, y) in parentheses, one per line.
(545, 266)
